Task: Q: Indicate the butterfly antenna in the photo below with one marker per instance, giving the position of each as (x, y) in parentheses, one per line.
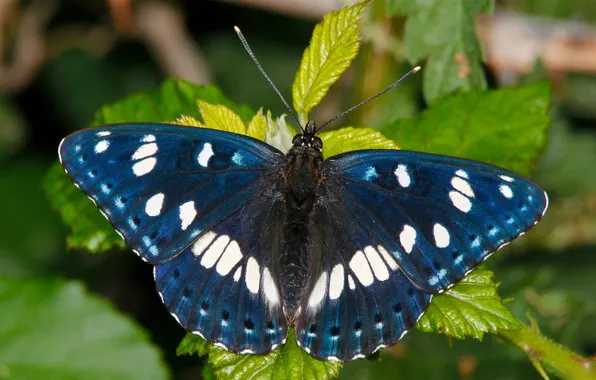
(256, 61)
(395, 84)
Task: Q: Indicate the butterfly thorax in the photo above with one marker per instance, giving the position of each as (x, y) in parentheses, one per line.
(302, 181)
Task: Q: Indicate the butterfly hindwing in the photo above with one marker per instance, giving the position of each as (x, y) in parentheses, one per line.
(226, 286)
(438, 216)
(358, 300)
(160, 185)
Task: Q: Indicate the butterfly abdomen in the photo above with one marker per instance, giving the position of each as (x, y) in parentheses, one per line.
(301, 181)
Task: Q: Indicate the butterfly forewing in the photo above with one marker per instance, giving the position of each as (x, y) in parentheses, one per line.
(161, 185)
(438, 216)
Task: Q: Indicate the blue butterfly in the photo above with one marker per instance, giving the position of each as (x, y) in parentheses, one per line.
(247, 241)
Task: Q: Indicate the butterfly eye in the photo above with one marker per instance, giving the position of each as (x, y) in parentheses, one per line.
(317, 143)
(297, 140)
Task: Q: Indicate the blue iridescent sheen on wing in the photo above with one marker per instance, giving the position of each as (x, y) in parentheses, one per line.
(438, 216)
(226, 286)
(159, 185)
(183, 199)
(358, 300)
(365, 238)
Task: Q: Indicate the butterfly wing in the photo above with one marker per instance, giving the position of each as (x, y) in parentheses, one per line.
(390, 228)
(189, 201)
(161, 186)
(225, 287)
(357, 300)
(438, 216)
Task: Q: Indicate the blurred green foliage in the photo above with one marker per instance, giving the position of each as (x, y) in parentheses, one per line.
(58, 326)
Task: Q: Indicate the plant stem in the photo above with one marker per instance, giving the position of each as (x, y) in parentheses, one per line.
(556, 357)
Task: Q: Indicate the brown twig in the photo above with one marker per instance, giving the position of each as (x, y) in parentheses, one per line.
(162, 28)
(512, 43)
(29, 42)
(309, 9)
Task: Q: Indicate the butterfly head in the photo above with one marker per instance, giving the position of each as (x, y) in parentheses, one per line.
(308, 138)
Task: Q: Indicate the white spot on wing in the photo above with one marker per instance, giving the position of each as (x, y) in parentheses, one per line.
(154, 204)
(253, 275)
(506, 178)
(187, 214)
(103, 133)
(460, 201)
(506, 191)
(145, 166)
(269, 288)
(359, 266)
(205, 155)
(462, 173)
(351, 282)
(376, 263)
(102, 146)
(237, 274)
(441, 235)
(318, 292)
(388, 258)
(203, 242)
(402, 176)
(214, 251)
(336, 282)
(144, 151)
(148, 138)
(462, 186)
(231, 256)
(407, 238)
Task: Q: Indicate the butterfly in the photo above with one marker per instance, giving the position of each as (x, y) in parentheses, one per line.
(247, 241)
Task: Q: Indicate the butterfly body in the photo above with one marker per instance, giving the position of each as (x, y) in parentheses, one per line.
(247, 241)
(301, 179)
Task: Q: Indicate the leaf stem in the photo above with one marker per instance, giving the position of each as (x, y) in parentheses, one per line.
(557, 358)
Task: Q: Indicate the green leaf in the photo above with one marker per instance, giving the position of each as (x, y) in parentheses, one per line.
(444, 32)
(56, 330)
(193, 345)
(174, 98)
(398, 7)
(471, 308)
(286, 362)
(189, 121)
(506, 127)
(333, 46)
(348, 139)
(257, 127)
(31, 230)
(90, 230)
(217, 116)
(565, 162)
